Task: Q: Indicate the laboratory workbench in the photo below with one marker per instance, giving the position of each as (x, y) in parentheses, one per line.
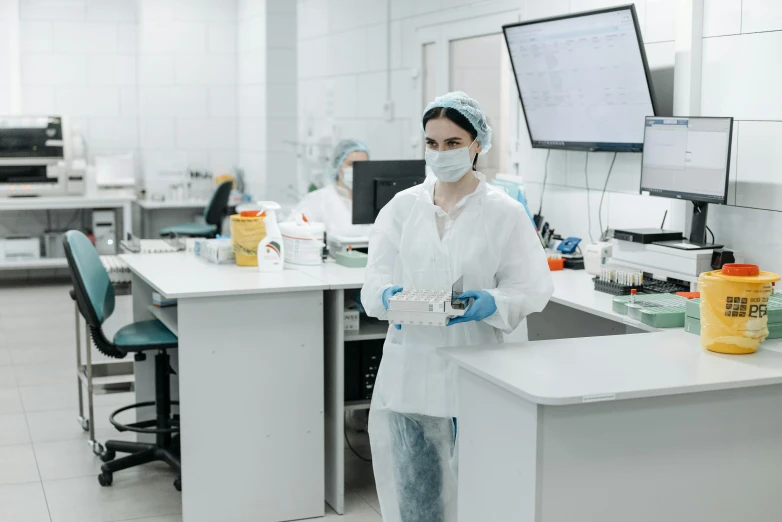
(150, 216)
(151, 204)
(597, 429)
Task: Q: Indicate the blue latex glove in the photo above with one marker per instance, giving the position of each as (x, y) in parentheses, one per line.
(482, 307)
(388, 293)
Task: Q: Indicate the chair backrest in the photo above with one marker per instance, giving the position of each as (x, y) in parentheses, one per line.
(217, 208)
(91, 284)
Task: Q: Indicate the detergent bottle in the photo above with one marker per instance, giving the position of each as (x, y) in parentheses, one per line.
(270, 250)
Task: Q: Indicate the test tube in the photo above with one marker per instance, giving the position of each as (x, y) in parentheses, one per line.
(632, 296)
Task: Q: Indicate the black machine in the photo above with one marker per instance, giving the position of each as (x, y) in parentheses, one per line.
(375, 183)
(646, 236)
(362, 362)
(30, 149)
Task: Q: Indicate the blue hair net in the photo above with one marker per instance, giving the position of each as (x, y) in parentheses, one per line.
(468, 108)
(341, 152)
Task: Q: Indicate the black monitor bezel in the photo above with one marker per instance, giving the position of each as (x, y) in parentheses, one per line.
(698, 198)
(585, 146)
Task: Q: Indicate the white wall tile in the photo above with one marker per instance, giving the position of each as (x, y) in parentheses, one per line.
(252, 33)
(111, 70)
(222, 133)
(660, 25)
(210, 69)
(127, 38)
(112, 133)
(721, 17)
(57, 10)
(172, 36)
(252, 68)
(36, 36)
(346, 54)
(112, 10)
(223, 161)
(223, 101)
(157, 132)
(54, 69)
(376, 48)
(589, 5)
(221, 38)
(252, 101)
(404, 89)
(90, 101)
(281, 31)
(312, 19)
(759, 164)
(156, 10)
(128, 101)
(197, 158)
(254, 165)
(545, 8)
(155, 70)
(157, 101)
(249, 8)
(281, 66)
(312, 60)
(205, 10)
(371, 95)
(636, 211)
(281, 133)
(190, 101)
(281, 6)
(761, 15)
(86, 37)
(252, 134)
(38, 100)
(281, 101)
(731, 226)
(737, 79)
(192, 133)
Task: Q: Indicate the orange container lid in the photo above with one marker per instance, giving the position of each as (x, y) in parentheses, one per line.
(689, 295)
(740, 270)
(251, 213)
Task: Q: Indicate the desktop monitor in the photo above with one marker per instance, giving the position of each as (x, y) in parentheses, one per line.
(375, 183)
(688, 158)
(583, 80)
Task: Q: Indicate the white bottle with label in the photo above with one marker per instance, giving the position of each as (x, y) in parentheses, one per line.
(270, 250)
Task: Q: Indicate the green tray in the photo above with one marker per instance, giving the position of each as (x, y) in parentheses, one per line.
(656, 310)
(351, 259)
(693, 326)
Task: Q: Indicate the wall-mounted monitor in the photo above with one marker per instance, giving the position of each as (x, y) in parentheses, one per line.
(583, 80)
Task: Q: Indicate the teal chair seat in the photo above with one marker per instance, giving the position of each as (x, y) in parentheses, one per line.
(144, 335)
(190, 229)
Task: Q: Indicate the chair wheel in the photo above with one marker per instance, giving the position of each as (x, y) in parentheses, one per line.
(85, 423)
(108, 455)
(178, 484)
(105, 479)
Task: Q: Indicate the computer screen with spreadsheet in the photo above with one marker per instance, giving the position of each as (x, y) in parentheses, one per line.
(583, 80)
(687, 158)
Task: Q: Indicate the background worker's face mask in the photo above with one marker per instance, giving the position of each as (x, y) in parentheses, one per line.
(347, 177)
(449, 166)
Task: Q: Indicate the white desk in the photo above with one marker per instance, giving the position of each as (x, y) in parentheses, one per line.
(611, 430)
(251, 381)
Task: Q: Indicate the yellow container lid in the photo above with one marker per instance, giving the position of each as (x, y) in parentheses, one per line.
(740, 273)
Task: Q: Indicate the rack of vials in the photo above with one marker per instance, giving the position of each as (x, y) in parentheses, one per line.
(619, 280)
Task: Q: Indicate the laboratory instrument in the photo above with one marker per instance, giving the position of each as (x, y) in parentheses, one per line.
(583, 79)
(646, 235)
(595, 256)
(19, 248)
(375, 183)
(427, 307)
(271, 250)
(688, 158)
(569, 245)
(104, 229)
(34, 158)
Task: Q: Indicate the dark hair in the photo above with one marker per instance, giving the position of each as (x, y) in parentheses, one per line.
(456, 117)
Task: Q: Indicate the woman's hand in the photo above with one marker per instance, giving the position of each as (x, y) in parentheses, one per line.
(483, 306)
(388, 293)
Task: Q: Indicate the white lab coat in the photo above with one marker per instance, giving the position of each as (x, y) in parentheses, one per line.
(332, 207)
(493, 244)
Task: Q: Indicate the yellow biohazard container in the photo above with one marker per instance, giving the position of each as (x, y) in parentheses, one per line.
(247, 230)
(734, 308)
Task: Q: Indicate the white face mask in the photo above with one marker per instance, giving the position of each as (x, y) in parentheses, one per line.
(449, 166)
(347, 177)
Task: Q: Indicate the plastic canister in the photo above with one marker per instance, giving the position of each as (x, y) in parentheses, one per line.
(734, 308)
(303, 242)
(247, 230)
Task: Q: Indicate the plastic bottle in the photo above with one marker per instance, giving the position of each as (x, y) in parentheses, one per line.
(270, 250)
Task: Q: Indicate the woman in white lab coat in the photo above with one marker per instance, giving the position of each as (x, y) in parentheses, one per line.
(452, 225)
(333, 204)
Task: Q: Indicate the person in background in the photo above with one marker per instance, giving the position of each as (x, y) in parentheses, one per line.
(452, 225)
(333, 204)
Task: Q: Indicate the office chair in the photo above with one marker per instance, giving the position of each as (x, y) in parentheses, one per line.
(95, 299)
(214, 213)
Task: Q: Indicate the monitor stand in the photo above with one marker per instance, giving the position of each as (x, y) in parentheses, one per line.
(697, 239)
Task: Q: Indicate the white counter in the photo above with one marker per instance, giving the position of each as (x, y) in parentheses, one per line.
(149, 204)
(101, 200)
(182, 275)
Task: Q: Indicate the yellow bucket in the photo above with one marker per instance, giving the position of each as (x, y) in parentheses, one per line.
(734, 308)
(246, 232)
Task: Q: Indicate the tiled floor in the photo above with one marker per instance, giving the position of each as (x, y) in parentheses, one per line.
(47, 471)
